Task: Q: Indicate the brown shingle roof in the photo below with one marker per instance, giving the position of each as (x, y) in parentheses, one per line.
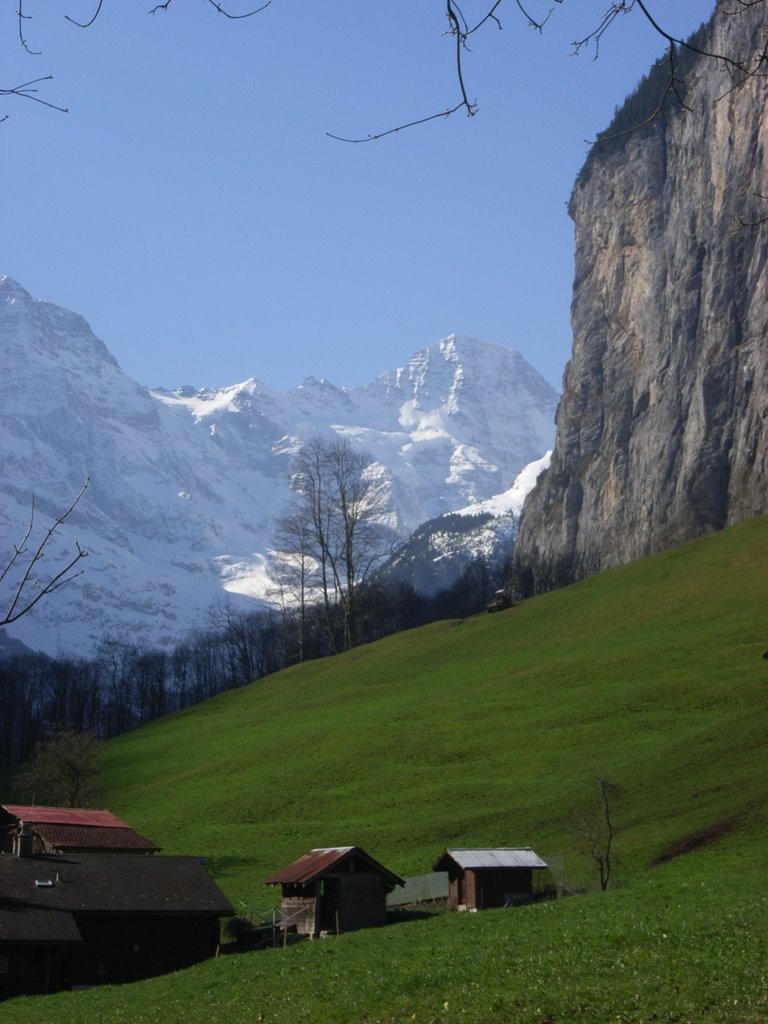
(88, 837)
(316, 863)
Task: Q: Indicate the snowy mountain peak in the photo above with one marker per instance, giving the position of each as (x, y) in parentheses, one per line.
(35, 330)
(186, 484)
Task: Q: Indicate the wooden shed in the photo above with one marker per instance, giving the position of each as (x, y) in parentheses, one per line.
(67, 830)
(482, 878)
(85, 919)
(334, 889)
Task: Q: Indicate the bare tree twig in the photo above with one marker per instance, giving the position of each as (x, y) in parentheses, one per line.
(538, 25)
(460, 35)
(27, 92)
(460, 30)
(22, 17)
(29, 590)
(238, 17)
(86, 24)
(621, 7)
(400, 127)
(672, 88)
(219, 7)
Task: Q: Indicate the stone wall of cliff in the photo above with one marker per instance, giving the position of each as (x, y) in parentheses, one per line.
(661, 431)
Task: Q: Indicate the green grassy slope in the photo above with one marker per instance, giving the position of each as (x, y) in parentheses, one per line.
(487, 732)
(484, 731)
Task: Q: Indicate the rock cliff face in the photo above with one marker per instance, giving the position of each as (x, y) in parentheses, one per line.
(661, 430)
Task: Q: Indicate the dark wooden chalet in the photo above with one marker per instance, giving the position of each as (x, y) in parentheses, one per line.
(481, 878)
(334, 889)
(85, 919)
(67, 830)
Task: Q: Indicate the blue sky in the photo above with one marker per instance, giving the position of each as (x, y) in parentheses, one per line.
(192, 208)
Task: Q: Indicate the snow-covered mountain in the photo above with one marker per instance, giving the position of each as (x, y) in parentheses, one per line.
(438, 550)
(185, 485)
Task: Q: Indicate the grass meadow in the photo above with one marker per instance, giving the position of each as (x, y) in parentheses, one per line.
(483, 732)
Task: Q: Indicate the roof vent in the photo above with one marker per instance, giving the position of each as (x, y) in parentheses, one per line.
(44, 883)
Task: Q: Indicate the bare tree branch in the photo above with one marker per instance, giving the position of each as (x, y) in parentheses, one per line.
(539, 25)
(621, 7)
(22, 17)
(460, 35)
(86, 24)
(460, 31)
(400, 127)
(673, 87)
(26, 92)
(30, 590)
(238, 17)
(219, 7)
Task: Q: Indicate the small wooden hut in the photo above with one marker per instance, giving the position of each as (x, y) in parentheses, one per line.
(334, 889)
(481, 878)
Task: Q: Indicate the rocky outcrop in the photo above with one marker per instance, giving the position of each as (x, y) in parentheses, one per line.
(661, 430)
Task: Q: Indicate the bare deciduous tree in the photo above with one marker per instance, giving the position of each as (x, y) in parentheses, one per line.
(63, 771)
(597, 830)
(21, 571)
(335, 533)
(291, 572)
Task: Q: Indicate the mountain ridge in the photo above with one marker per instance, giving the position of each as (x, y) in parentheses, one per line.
(185, 483)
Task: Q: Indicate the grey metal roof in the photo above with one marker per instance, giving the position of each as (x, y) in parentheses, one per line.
(496, 857)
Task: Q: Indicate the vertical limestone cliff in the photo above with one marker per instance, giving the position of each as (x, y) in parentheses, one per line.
(661, 430)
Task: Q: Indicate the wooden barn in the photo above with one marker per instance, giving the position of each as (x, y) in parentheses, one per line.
(334, 889)
(86, 919)
(481, 878)
(67, 830)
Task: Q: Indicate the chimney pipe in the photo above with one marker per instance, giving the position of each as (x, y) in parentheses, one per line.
(24, 840)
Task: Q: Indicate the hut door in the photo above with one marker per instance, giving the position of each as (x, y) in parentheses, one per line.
(330, 904)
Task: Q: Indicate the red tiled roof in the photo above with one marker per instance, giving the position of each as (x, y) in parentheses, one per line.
(317, 862)
(77, 828)
(64, 816)
(82, 837)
